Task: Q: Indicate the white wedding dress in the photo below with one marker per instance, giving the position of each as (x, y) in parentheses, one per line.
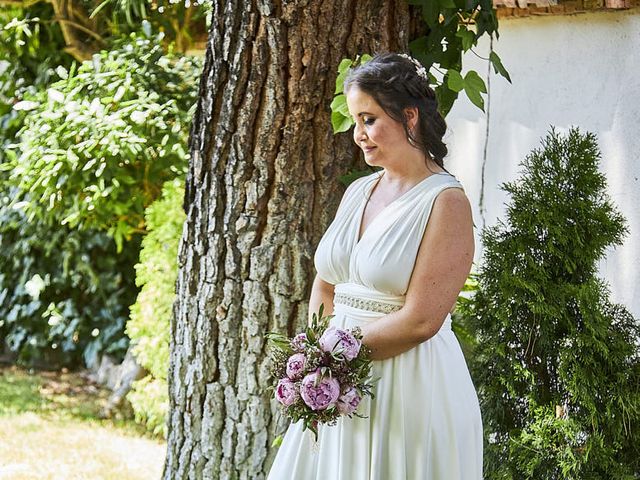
(424, 422)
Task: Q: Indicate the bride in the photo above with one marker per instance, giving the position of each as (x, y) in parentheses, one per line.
(393, 262)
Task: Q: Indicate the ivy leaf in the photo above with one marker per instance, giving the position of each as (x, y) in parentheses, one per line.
(445, 97)
(339, 104)
(431, 13)
(339, 122)
(455, 81)
(473, 85)
(498, 66)
(474, 81)
(343, 68)
(466, 36)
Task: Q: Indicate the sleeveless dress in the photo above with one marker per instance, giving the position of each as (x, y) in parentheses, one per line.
(425, 421)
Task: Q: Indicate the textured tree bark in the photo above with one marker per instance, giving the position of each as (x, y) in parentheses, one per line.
(261, 189)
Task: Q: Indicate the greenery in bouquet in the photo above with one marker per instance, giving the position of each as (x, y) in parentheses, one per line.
(320, 374)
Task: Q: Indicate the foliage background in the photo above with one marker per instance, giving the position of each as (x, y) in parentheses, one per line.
(87, 150)
(63, 293)
(151, 314)
(98, 143)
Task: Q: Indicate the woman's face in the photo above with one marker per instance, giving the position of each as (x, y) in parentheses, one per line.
(381, 138)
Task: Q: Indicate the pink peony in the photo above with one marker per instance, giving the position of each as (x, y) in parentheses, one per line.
(295, 366)
(321, 395)
(298, 342)
(340, 341)
(348, 401)
(286, 392)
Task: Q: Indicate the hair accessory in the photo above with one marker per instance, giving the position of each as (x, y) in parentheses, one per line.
(419, 67)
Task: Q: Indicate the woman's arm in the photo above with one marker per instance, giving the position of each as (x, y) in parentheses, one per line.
(321, 292)
(442, 265)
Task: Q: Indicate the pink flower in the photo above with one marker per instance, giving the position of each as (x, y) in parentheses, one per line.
(348, 401)
(319, 392)
(286, 392)
(298, 342)
(340, 341)
(295, 366)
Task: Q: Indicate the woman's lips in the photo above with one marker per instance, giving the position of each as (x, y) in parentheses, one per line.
(368, 149)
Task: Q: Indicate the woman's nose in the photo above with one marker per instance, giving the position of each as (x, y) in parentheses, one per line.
(358, 134)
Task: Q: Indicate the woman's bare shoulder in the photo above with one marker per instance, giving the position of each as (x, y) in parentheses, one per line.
(453, 200)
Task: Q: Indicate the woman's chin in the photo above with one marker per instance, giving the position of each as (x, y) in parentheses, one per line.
(370, 160)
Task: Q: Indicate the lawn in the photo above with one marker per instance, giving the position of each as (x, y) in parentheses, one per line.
(50, 428)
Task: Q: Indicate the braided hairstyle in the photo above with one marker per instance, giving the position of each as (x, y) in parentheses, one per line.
(394, 83)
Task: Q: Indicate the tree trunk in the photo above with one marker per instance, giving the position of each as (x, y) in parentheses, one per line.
(261, 189)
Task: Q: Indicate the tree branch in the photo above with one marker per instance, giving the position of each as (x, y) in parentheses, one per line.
(73, 18)
(82, 28)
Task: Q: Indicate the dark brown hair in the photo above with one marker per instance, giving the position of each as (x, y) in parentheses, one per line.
(394, 83)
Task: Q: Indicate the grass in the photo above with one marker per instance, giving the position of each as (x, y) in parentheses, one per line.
(51, 428)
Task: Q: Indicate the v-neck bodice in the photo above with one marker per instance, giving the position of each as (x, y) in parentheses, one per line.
(368, 189)
(384, 257)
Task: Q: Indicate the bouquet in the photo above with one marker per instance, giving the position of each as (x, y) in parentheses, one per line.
(320, 374)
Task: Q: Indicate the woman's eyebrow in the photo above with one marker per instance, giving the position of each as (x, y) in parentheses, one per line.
(364, 113)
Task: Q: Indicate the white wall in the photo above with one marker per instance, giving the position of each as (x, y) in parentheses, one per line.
(575, 70)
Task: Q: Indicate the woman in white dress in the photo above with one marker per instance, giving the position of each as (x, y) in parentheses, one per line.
(393, 262)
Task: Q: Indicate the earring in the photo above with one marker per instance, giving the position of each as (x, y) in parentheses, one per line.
(412, 133)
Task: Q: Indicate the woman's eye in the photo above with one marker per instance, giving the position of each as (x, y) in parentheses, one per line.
(369, 121)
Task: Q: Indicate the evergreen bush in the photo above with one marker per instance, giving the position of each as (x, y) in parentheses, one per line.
(150, 320)
(556, 363)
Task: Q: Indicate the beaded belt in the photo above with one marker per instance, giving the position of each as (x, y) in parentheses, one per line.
(365, 304)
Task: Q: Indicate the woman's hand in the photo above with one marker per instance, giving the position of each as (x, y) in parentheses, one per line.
(321, 292)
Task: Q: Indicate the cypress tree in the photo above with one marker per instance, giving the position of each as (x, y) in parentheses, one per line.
(555, 362)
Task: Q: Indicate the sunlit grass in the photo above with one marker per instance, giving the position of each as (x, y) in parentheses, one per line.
(50, 428)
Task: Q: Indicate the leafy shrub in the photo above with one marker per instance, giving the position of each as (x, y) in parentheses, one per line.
(64, 294)
(151, 315)
(29, 49)
(98, 144)
(556, 363)
(64, 287)
(150, 402)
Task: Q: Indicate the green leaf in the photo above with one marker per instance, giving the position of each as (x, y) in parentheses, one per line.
(339, 104)
(277, 441)
(340, 123)
(466, 36)
(473, 87)
(455, 81)
(365, 58)
(498, 66)
(431, 12)
(445, 97)
(343, 68)
(475, 82)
